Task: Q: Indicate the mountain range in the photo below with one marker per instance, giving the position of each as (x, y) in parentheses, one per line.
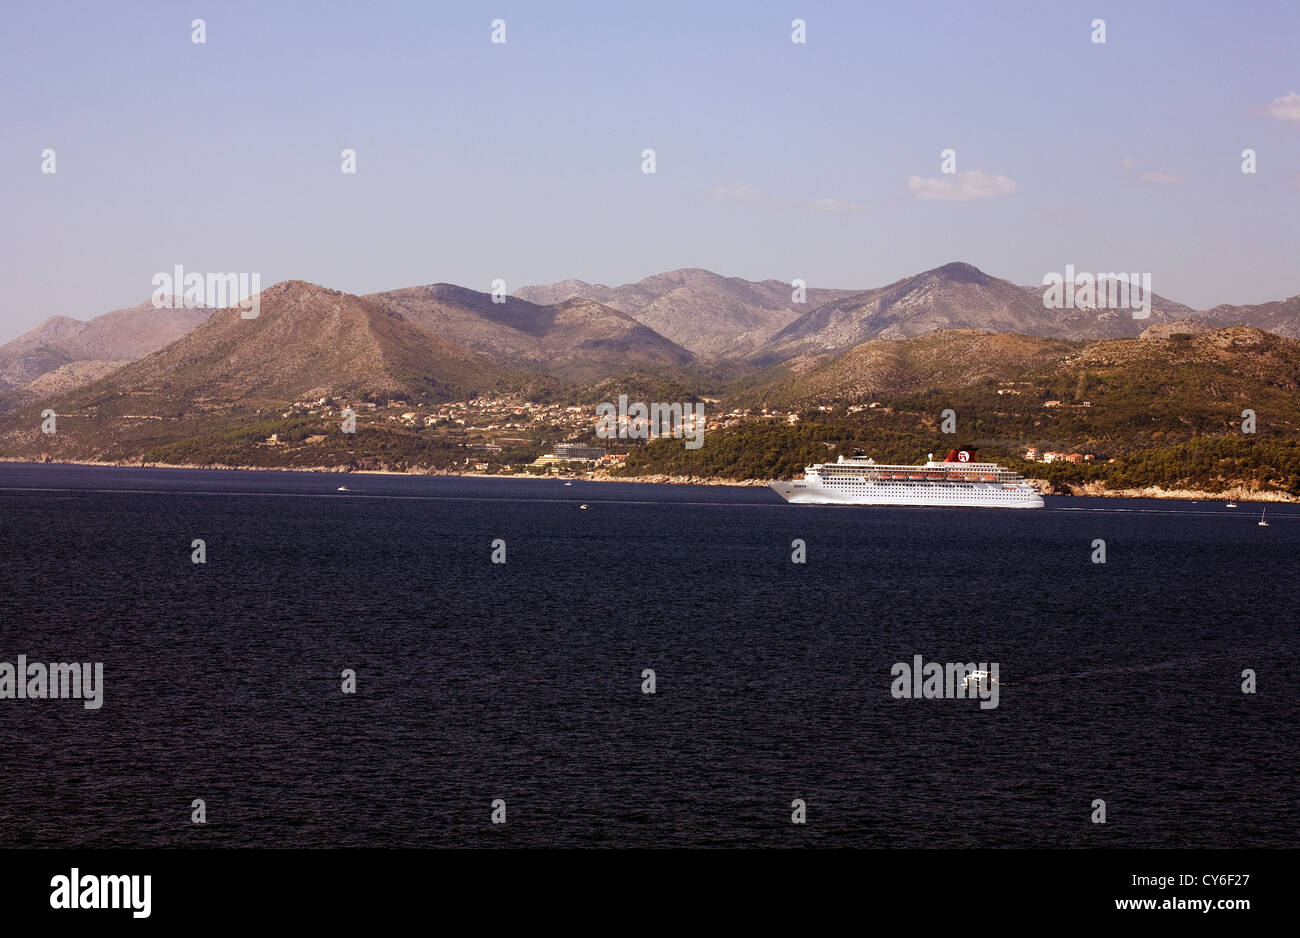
(442, 341)
(307, 342)
(712, 316)
(576, 339)
(86, 350)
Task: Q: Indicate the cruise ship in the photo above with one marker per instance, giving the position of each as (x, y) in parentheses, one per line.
(957, 482)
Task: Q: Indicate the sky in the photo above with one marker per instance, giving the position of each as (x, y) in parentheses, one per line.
(523, 161)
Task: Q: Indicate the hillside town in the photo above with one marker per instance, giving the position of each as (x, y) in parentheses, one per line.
(553, 437)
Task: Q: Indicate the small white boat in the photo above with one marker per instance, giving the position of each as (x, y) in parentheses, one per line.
(583, 507)
(1229, 505)
(1262, 522)
(343, 488)
(568, 483)
(981, 678)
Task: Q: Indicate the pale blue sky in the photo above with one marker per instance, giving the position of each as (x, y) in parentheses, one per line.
(522, 161)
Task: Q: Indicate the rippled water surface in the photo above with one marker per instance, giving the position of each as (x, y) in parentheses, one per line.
(522, 681)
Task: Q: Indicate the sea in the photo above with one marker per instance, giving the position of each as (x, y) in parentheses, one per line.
(476, 662)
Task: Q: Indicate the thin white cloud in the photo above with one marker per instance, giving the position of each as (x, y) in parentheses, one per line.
(1160, 178)
(961, 187)
(836, 206)
(1285, 108)
(737, 193)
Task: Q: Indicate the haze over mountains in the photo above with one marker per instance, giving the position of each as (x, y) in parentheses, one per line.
(442, 339)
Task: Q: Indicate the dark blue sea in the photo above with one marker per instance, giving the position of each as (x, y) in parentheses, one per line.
(522, 681)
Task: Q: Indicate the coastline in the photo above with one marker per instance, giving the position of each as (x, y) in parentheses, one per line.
(1237, 493)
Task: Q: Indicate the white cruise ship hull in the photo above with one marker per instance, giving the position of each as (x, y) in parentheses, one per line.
(939, 494)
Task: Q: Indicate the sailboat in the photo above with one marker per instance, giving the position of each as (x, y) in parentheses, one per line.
(1262, 522)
